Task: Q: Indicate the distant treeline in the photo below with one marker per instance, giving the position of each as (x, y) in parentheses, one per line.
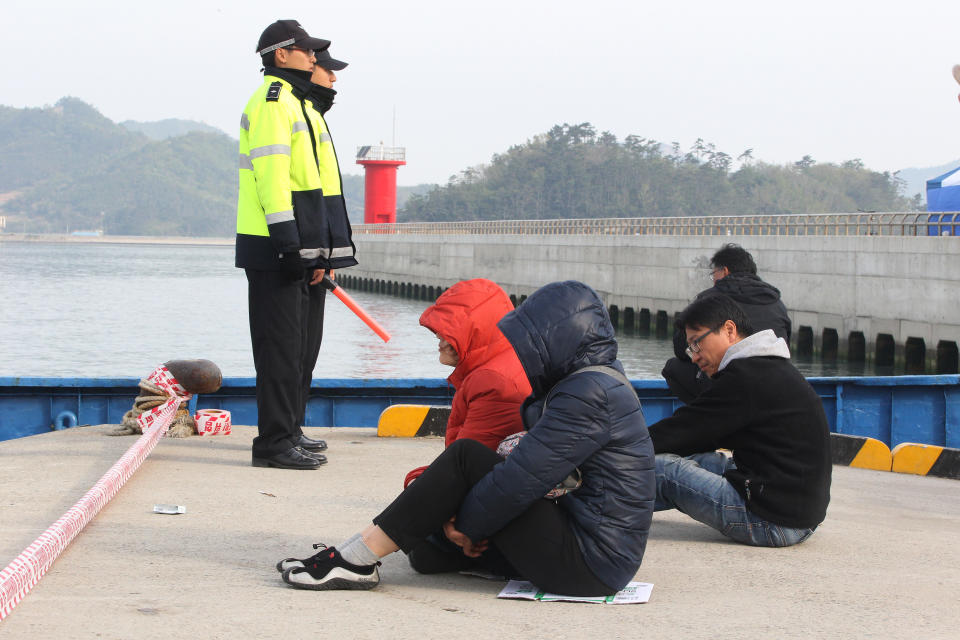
(573, 172)
(67, 168)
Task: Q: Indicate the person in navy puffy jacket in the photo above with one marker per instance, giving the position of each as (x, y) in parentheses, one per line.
(582, 414)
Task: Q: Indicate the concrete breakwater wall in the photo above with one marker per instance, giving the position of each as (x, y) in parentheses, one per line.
(876, 298)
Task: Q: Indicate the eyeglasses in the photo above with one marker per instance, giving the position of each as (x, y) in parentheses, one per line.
(307, 52)
(694, 347)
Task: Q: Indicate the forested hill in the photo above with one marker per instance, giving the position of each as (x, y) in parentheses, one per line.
(573, 172)
(67, 168)
(38, 143)
(167, 128)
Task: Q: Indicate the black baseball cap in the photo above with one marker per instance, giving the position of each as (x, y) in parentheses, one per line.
(327, 62)
(287, 33)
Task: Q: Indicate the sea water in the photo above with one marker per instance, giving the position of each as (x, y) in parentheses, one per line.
(118, 310)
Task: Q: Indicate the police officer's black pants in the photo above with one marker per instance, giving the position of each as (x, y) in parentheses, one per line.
(286, 328)
(539, 543)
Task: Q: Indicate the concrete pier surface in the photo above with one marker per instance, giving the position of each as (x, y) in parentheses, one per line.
(886, 563)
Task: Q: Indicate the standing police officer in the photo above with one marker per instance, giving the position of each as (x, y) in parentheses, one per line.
(292, 228)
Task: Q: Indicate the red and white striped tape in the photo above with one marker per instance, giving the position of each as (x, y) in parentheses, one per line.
(25, 571)
(162, 378)
(212, 422)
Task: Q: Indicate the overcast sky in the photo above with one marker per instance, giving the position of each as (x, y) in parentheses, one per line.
(833, 79)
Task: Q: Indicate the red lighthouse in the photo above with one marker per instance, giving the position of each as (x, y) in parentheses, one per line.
(380, 183)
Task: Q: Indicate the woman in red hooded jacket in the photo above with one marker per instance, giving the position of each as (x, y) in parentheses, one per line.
(490, 387)
(489, 381)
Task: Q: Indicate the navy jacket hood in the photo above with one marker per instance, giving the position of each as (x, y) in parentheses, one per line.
(561, 327)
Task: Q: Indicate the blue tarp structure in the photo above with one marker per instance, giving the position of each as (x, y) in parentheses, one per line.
(943, 194)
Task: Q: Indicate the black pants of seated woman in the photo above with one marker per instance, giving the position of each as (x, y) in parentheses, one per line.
(540, 543)
(436, 554)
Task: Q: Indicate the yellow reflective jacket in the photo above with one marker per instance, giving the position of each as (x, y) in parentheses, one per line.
(290, 195)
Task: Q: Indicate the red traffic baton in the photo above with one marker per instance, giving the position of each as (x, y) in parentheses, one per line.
(338, 291)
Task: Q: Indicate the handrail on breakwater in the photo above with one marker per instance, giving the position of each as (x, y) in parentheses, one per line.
(826, 224)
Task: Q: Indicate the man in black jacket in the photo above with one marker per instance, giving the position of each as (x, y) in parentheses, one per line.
(774, 490)
(734, 274)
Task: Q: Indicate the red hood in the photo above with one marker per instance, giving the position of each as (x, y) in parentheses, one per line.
(466, 316)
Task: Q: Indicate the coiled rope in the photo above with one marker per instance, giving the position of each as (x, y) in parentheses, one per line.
(152, 396)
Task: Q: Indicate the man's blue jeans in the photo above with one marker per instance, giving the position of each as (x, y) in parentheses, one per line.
(695, 486)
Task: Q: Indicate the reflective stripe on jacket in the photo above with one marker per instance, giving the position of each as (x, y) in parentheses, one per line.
(290, 195)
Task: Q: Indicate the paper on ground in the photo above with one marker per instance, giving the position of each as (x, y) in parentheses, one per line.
(633, 593)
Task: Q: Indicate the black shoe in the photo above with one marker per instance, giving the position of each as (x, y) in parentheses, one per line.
(313, 454)
(296, 563)
(327, 570)
(290, 459)
(310, 444)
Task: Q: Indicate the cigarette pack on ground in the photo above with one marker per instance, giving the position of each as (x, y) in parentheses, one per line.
(169, 509)
(212, 422)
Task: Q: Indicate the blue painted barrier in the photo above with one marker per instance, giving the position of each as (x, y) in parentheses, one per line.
(893, 409)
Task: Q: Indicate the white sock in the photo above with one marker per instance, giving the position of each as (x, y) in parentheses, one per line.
(355, 551)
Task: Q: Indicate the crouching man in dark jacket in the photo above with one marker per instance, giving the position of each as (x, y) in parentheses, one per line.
(774, 490)
(583, 415)
(734, 274)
